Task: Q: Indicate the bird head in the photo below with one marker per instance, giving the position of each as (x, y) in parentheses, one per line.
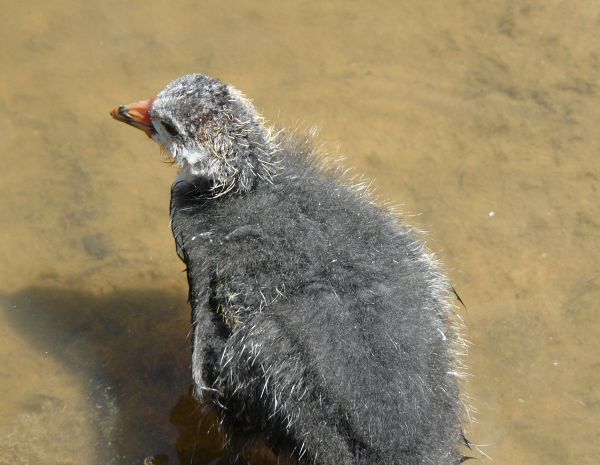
(210, 129)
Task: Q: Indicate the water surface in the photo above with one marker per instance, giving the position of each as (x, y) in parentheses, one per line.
(479, 119)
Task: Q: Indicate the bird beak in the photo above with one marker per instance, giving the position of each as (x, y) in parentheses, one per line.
(136, 114)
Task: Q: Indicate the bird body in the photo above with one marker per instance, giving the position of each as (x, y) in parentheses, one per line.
(321, 325)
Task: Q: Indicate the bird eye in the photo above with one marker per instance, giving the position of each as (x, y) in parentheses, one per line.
(170, 128)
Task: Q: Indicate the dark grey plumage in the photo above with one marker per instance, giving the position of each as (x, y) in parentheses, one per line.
(321, 324)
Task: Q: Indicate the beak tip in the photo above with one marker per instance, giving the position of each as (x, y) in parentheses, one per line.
(115, 112)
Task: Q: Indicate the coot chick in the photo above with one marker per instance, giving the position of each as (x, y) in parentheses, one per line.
(321, 325)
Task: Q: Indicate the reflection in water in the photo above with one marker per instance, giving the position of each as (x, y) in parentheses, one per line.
(197, 430)
(130, 347)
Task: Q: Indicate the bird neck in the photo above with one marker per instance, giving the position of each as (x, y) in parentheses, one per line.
(236, 164)
(247, 156)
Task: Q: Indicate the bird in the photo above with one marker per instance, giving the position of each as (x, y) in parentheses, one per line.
(322, 326)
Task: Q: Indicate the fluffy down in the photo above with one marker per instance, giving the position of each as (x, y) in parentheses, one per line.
(321, 324)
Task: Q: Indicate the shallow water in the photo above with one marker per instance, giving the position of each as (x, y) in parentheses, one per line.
(482, 118)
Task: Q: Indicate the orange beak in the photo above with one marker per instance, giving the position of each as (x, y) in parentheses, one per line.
(136, 114)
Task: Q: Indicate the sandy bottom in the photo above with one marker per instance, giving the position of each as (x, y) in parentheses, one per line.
(480, 116)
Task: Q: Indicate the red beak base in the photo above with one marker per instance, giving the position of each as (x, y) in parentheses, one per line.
(136, 114)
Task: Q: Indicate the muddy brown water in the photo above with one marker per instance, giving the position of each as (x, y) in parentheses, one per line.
(480, 119)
